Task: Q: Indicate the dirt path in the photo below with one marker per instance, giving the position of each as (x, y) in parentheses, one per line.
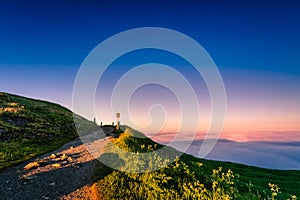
(67, 175)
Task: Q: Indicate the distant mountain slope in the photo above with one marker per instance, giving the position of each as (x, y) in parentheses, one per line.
(29, 127)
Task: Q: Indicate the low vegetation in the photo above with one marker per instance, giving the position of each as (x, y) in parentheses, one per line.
(31, 127)
(187, 177)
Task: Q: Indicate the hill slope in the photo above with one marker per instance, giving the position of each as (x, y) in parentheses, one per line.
(188, 177)
(31, 127)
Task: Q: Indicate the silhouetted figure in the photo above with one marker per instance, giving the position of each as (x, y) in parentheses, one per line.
(100, 123)
(113, 123)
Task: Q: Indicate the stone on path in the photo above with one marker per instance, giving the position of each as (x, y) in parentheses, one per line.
(32, 165)
(63, 157)
(53, 156)
(56, 165)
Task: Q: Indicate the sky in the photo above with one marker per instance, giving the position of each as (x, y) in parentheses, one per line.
(255, 45)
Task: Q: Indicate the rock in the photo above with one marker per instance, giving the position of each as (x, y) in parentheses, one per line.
(56, 128)
(32, 165)
(3, 135)
(2, 131)
(64, 157)
(57, 165)
(28, 177)
(15, 121)
(53, 156)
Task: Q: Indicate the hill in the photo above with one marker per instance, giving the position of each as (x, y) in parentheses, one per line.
(187, 177)
(30, 127)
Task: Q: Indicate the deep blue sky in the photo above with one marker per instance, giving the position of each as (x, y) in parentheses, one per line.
(252, 34)
(255, 44)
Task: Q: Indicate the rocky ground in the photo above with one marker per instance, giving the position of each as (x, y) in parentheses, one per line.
(66, 173)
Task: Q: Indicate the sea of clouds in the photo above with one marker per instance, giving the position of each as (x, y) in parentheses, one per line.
(278, 154)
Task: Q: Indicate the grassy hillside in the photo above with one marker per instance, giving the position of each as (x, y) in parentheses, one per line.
(31, 127)
(188, 177)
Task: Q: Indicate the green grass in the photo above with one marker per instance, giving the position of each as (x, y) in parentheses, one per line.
(16, 151)
(33, 127)
(188, 177)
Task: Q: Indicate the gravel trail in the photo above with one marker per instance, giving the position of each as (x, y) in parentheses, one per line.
(65, 173)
